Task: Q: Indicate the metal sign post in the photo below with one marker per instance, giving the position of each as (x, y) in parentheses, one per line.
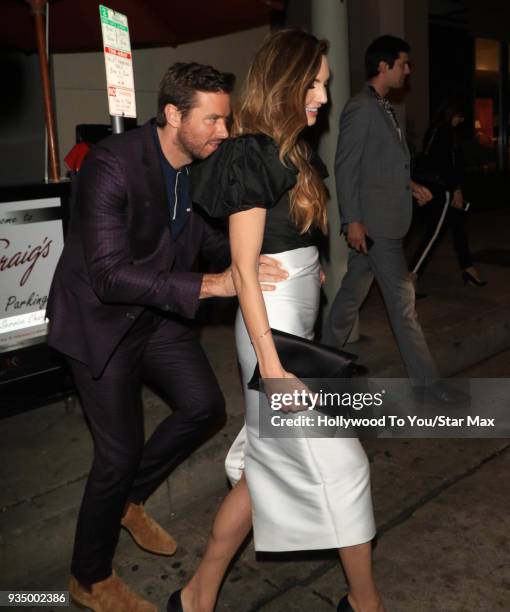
(119, 67)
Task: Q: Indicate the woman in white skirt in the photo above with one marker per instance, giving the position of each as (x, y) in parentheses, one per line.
(299, 493)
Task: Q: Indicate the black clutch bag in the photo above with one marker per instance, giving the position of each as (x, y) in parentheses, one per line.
(307, 359)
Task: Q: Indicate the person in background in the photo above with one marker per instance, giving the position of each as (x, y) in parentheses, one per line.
(374, 191)
(443, 158)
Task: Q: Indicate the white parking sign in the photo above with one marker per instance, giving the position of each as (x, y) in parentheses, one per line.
(118, 62)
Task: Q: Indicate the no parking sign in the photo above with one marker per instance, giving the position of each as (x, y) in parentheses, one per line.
(118, 62)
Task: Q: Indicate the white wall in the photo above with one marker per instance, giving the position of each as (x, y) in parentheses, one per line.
(80, 85)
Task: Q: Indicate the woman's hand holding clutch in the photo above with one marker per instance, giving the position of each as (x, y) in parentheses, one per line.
(287, 392)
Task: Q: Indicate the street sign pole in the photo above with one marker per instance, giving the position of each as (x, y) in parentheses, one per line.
(117, 124)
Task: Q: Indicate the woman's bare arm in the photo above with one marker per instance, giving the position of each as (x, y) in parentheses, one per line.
(246, 231)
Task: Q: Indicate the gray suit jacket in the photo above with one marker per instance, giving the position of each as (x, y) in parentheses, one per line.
(372, 169)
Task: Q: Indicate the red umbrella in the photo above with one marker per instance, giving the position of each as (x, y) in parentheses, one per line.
(74, 26)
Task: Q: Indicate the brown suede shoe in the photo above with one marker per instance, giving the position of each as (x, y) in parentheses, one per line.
(110, 595)
(146, 532)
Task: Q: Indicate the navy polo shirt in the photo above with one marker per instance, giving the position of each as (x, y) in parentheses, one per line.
(177, 189)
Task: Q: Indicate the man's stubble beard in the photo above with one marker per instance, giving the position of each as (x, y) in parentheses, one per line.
(188, 145)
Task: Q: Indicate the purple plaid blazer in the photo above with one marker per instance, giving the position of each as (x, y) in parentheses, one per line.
(119, 256)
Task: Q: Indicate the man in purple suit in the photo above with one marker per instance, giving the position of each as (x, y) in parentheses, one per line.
(123, 295)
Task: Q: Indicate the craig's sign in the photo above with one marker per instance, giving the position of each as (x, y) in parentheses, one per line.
(31, 241)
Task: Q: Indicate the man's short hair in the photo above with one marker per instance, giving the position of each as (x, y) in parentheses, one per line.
(387, 49)
(182, 80)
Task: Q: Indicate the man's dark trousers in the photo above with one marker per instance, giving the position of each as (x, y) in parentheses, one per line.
(387, 263)
(167, 356)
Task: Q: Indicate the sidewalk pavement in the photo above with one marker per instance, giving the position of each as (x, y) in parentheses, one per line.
(441, 505)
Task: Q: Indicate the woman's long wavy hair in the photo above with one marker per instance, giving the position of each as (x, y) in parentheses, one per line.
(273, 103)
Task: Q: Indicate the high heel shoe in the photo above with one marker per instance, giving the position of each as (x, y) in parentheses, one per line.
(344, 605)
(469, 279)
(174, 603)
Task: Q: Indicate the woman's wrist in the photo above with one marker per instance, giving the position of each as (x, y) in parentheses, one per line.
(267, 356)
(271, 369)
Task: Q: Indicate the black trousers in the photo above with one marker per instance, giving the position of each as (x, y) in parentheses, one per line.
(166, 355)
(440, 215)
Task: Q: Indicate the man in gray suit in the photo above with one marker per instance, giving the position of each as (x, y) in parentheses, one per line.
(374, 189)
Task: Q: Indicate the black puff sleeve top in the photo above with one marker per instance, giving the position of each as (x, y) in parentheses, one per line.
(246, 172)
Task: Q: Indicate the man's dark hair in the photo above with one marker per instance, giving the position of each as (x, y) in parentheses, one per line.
(181, 81)
(386, 48)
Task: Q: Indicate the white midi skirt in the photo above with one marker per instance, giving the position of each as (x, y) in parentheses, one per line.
(306, 493)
